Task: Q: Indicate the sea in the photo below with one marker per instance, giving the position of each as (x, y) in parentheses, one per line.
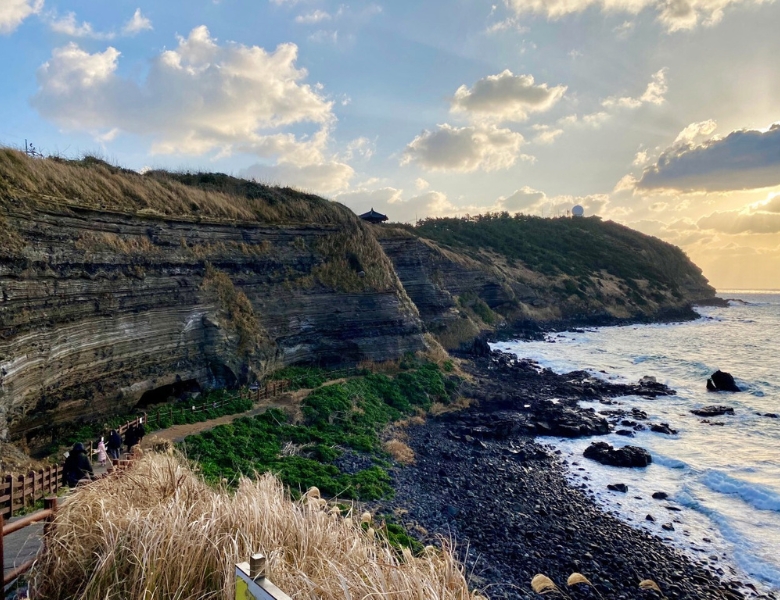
(722, 476)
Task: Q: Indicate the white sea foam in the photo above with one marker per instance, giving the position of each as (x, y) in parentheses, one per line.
(726, 475)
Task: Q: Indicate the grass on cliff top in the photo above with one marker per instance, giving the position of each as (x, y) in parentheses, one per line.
(347, 416)
(94, 183)
(575, 247)
(159, 531)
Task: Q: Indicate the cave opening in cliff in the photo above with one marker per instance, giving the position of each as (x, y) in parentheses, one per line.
(178, 390)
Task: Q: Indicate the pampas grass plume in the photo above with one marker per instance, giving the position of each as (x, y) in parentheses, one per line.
(649, 584)
(542, 584)
(576, 578)
(365, 518)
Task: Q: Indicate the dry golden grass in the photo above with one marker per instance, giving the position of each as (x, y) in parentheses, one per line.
(158, 532)
(437, 408)
(94, 183)
(400, 451)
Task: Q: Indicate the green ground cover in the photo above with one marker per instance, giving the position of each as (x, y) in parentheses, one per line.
(339, 417)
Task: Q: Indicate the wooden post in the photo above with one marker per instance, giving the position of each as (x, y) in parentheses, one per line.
(257, 566)
(19, 479)
(10, 480)
(2, 541)
(49, 503)
(33, 499)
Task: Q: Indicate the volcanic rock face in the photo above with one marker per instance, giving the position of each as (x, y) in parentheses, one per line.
(100, 307)
(720, 381)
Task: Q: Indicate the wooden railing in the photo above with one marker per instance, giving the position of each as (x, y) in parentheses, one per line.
(272, 388)
(21, 491)
(47, 514)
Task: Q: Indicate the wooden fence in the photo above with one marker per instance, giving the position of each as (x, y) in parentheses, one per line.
(47, 514)
(21, 491)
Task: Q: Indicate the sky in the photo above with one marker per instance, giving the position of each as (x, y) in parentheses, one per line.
(663, 115)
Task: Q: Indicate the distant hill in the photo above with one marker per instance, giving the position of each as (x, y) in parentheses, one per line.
(513, 271)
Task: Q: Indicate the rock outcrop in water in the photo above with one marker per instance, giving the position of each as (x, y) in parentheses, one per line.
(627, 456)
(720, 381)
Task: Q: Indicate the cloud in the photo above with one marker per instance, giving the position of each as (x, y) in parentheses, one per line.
(324, 36)
(360, 147)
(734, 222)
(674, 15)
(521, 200)
(13, 12)
(653, 94)
(68, 25)
(506, 97)
(197, 98)
(546, 134)
(435, 204)
(694, 131)
(363, 199)
(316, 16)
(771, 204)
(137, 24)
(641, 158)
(744, 159)
(322, 178)
(421, 184)
(464, 149)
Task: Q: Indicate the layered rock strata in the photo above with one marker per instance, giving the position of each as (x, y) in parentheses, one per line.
(98, 308)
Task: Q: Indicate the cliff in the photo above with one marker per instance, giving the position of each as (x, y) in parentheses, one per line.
(118, 289)
(498, 272)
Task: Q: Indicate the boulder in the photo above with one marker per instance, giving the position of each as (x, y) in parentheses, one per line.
(663, 428)
(713, 411)
(480, 347)
(660, 495)
(627, 456)
(720, 381)
(618, 487)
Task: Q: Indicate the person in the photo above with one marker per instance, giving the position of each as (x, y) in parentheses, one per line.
(140, 430)
(131, 437)
(77, 466)
(114, 444)
(102, 456)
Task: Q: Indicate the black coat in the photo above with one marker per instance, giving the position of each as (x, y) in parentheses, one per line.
(76, 468)
(114, 441)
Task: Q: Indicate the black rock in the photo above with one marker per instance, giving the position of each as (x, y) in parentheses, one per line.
(618, 487)
(720, 381)
(663, 428)
(480, 347)
(660, 495)
(627, 456)
(771, 415)
(667, 527)
(649, 518)
(713, 411)
(625, 432)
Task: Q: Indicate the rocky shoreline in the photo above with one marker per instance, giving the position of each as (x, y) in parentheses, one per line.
(482, 480)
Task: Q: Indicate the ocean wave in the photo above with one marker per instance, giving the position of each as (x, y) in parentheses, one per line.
(753, 494)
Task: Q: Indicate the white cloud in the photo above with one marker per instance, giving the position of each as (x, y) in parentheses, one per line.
(13, 12)
(546, 134)
(360, 147)
(674, 15)
(506, 97)
(464, 149)
(523, 200)
(734, 222)
(434, 204)
(324, 36)
(641, 158)
(68, 25)
(137, 24)
(744, 159)
(695, 131)
(321, 178)
(653, 94)
(196, 98)
(421, 184)
(363, 199)
(316, 16)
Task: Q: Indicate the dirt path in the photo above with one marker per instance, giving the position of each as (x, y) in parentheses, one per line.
(178, 432)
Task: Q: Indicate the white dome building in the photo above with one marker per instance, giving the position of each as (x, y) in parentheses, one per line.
(578, 211)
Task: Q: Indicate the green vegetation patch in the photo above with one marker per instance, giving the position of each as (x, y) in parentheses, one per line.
(575, 247)
(337, 417)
